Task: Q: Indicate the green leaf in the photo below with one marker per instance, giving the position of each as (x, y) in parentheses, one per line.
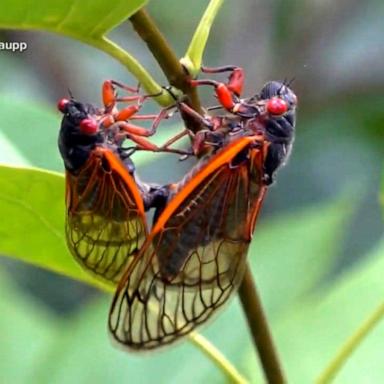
(193, 57)
(75, 18)
(9, 154)
(86, 21)
(32, 228)
(315, 328)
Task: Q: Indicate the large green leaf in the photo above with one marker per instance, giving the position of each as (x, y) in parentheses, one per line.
(87, 21)
(32, 225)
(76, 18)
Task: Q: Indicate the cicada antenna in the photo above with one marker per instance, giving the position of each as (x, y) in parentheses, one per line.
(291, 81)
(283, 84)
(70, 94)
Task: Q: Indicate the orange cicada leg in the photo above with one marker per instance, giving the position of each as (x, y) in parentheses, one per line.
(236, 77)
(109, 94)
(120, 119)
(110, 100)
(228, 93)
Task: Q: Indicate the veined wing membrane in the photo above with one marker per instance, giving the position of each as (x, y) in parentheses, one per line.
(195, 256)
(106, 222)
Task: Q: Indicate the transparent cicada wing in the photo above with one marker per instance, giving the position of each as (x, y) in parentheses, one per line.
(105, 223)
(194, 258)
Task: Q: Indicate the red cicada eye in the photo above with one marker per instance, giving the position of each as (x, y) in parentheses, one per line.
(88, 126)
(62, 105)
(276, 106)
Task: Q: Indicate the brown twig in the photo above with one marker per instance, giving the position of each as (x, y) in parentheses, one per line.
(167, 59)
(261, 334)
(252, 307)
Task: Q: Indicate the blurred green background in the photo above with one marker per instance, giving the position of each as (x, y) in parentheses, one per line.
(317, 253)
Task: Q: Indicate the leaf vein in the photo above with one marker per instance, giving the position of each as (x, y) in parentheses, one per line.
(72, 6)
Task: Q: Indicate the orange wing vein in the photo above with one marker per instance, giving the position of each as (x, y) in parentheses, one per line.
(106, 222)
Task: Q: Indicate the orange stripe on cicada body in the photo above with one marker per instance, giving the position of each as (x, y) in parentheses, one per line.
(195, 255)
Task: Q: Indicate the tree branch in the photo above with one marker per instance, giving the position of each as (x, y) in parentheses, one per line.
(261, 334)
(177, 77)
(168, 61)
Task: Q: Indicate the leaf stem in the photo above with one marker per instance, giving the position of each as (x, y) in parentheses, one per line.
(133, 66)
(350, 346)
(261, 334)
(217, 357)
(193, 57)
(167, 59)
(159, 47)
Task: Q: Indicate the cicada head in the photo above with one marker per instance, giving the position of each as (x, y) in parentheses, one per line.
(280, 104)
(278, 89)
(278, 124)
(79, 132)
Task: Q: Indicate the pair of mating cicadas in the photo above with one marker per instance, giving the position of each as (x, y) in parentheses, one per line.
(174, 276)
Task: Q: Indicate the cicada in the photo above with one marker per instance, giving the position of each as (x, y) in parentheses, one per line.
(105, 200)
(194, 258)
